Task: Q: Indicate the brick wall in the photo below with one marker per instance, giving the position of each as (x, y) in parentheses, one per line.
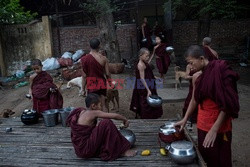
(74, 38)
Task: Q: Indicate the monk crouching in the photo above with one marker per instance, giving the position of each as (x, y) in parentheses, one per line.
(102, 140)
(43, 91)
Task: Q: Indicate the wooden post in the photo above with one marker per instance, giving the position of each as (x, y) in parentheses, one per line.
(48, 37)
(58, 29)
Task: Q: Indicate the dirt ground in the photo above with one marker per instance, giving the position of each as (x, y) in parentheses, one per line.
(15, 100)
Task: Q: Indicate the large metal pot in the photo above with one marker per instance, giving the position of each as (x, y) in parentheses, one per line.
(129, 135)
(168, 133)
(154, 101)
(182, 152)
(29, 117)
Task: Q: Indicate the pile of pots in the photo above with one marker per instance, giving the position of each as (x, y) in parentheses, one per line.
(180, 150)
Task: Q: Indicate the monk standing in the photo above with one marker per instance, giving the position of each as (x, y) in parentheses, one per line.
(146, 34)
(43, 91)
(162, 56)
(215, 93)
(95, 72)
(144, 86)
(209, 52)
(102, 140)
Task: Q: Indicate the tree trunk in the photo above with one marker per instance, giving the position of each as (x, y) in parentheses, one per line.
(105, 23)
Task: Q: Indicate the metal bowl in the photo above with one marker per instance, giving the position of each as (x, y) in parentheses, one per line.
(129, 135)
(169, 49)
(29, 117)
(144, 40)
(182, 152)
(168, 133)
(154, 101)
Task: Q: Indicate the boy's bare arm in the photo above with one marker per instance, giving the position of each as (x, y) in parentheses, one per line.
(101, 114)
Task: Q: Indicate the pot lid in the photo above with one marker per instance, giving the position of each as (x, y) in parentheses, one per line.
(182, 145)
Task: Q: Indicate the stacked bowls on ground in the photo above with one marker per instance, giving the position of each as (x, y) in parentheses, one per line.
(181, 151)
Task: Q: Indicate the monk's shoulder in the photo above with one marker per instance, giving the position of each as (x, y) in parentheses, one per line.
(141, 66)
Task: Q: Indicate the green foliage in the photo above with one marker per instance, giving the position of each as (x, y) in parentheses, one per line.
(98, 7)
(11, 12)
(215, 9)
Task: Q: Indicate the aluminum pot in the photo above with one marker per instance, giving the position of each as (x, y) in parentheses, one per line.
(168, 133)
(154, 101)
(169, 49)
(182, 152)
(129, 135)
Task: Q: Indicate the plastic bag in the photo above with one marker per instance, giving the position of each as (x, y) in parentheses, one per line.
(20, 73)
(67, 55)
(77, 55)
(50, 64)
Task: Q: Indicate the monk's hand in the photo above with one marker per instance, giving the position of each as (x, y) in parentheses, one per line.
(126, 123)
(149, 93)
(210, 138)
(181, 124)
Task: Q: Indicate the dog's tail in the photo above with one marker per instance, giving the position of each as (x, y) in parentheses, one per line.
(176, 68)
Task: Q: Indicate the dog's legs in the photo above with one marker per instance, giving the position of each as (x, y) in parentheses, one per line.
(117, 101)
(180, 83)
(68, 85)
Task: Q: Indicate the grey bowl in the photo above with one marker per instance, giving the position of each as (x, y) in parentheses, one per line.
(129, 135)
(154, 101)
(169, 49)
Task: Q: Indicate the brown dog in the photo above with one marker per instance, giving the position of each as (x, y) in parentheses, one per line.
(178, 76)
(112, 96)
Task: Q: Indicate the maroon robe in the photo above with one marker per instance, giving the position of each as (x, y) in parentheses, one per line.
(187, 101)
(104, 140)
(43, 98)
(147, 32)
(158, 30)
(218, 83)
(209, 55)
(163, 61)
(96, 81)
(139, 98)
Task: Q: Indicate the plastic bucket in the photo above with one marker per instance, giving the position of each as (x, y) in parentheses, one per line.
(64, 113)
(50, 117)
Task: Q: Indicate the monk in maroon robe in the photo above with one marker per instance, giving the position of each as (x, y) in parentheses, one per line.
(158, 30)
(215, 93)
(209, 52)
(144, 86)
(146, 34)
(95, 72)
(45, 94)
(97, 140)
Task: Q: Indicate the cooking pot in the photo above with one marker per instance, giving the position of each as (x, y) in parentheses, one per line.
(169, 49)
(129, 135)
(168, 133)
(154, 101)
(29, 117)
(182, 152)
(50, 117)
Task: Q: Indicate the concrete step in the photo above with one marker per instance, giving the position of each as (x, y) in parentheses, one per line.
(170, 95)
(170, 83)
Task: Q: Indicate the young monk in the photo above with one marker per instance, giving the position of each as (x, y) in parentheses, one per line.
(162, 57)
(144, 87)
(95, 72)
(215, 93)
(209, 52)
(102, 140)
(146, 33)
(43, 91)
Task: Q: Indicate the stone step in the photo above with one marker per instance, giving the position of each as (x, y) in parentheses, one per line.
(170, 95)
(170, 83)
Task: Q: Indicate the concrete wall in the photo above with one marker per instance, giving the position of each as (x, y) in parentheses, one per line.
(21, 43)
(74, 38)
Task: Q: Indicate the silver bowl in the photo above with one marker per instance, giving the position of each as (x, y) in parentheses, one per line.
(182, 152)
(144, 40)
(169, 49)
(154, 101)
(129, 135)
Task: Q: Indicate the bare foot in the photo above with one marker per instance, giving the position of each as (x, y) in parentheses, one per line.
(129, 153)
